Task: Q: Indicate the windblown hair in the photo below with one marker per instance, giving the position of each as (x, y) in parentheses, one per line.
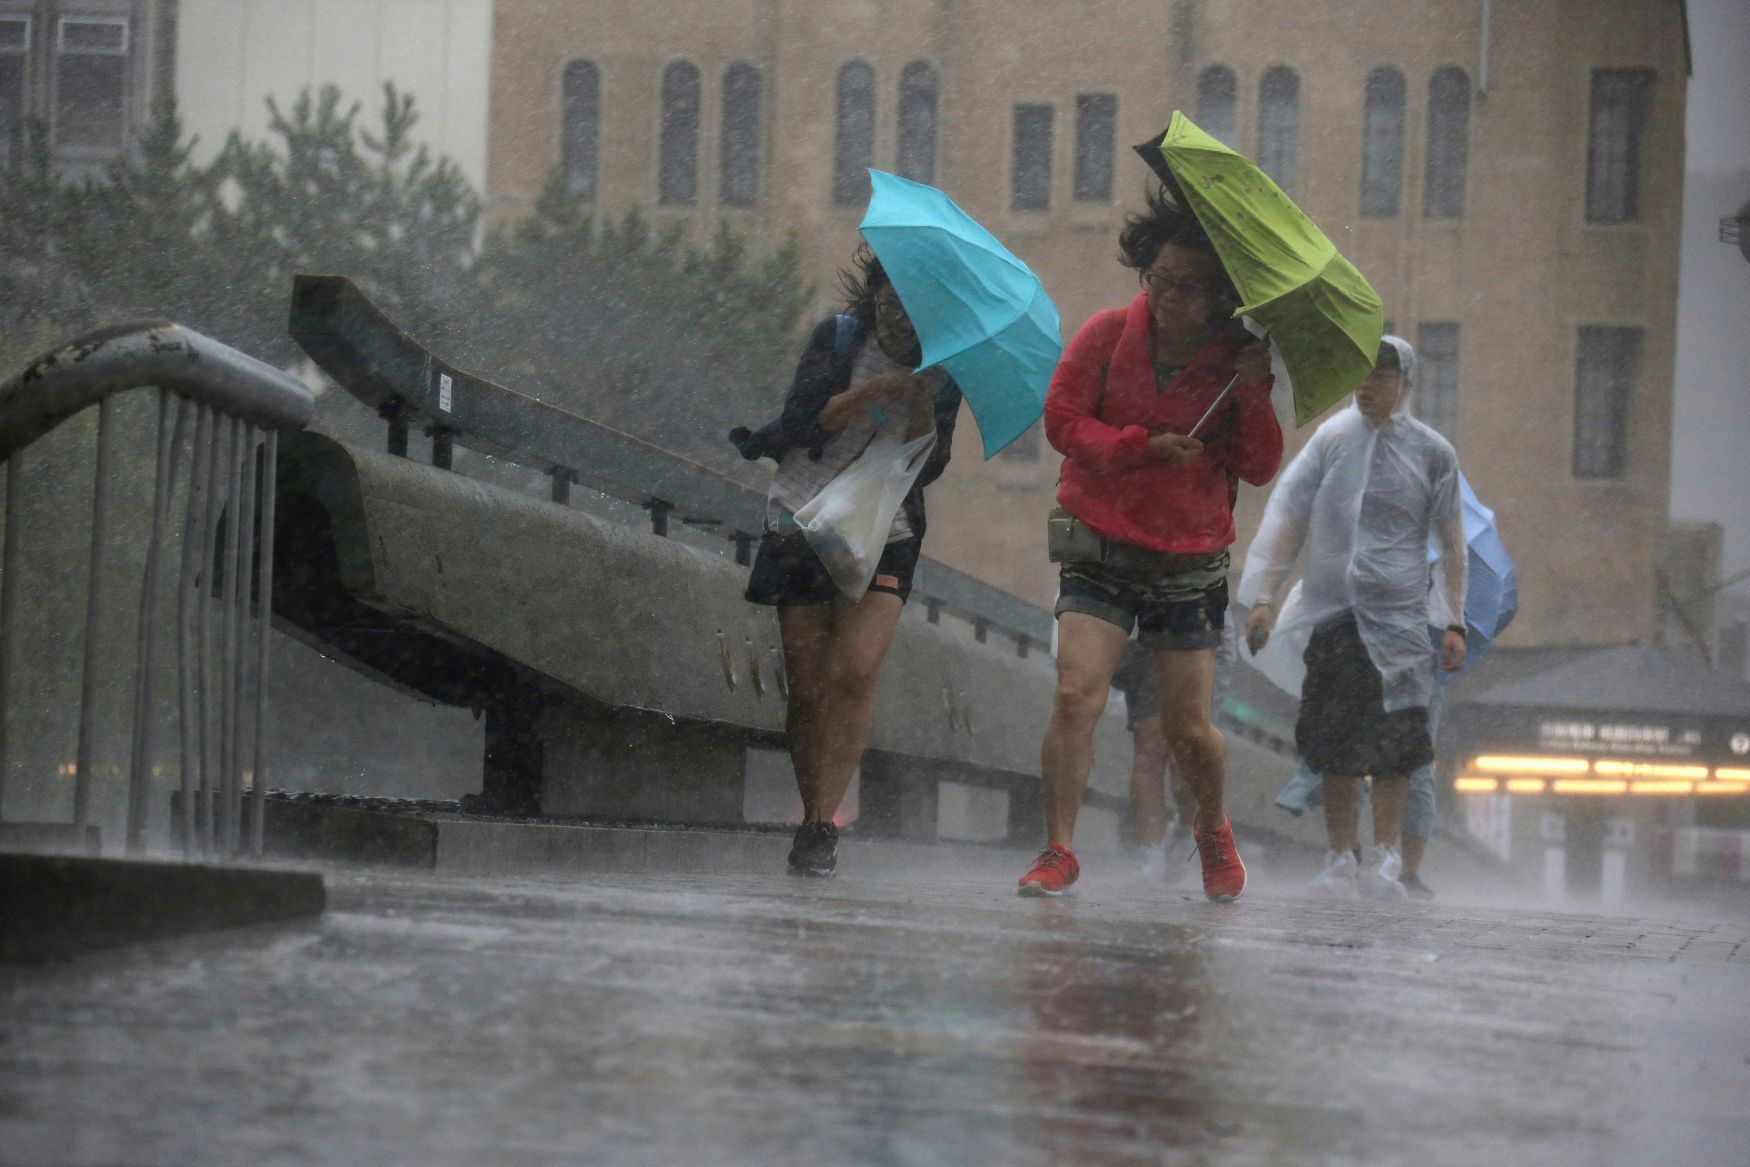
(861, 283)
(1146, 232)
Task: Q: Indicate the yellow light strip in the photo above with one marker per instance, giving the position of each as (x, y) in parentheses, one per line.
(1590, 786)
(1732, 773)
(1474, 785)
(1504, 764)
(1722, 787)
(1648, 769)
(1525, 785)
(1661, 786)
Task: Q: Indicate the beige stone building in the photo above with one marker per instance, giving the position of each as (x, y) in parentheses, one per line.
(1508, 176)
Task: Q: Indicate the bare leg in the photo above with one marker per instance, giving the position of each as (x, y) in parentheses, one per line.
(1390, 792)
(1342, 812)
(861, 634)
(1088, 649)
(1199, 752)
(1414, 846)
(1148, 795)
(806, 634)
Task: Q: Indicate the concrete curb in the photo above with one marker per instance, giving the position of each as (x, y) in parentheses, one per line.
(56, 906)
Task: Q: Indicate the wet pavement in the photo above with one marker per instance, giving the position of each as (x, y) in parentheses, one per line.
(883, 1018)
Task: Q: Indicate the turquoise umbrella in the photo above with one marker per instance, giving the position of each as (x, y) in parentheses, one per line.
(980, 313)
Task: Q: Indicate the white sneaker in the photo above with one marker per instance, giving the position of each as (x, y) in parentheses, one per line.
(1378, 877)
(1177, 852)
(1337, 880)
(1154, 861)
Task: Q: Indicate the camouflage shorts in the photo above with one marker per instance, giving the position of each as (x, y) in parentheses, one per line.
(1183, 610)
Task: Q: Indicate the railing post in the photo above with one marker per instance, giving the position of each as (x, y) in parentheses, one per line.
(269, 476)
(8, 614)
(395, 411)
(93, 613)
(562, 480)
(443, 446)
(659, 510)
(744, 549)
(193, 526)
(146, 659)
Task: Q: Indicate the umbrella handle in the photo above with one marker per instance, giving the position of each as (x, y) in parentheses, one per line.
(1219, 398)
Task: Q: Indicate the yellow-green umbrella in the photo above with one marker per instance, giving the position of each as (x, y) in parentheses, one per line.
(1322, 314)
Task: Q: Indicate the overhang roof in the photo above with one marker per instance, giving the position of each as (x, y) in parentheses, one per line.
(1627, 678)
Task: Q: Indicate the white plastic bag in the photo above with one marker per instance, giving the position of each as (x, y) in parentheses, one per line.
(848, 522)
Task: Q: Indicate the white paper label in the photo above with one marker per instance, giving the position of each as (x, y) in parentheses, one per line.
(444, 392)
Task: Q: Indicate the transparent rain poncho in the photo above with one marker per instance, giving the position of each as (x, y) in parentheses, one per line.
(1363, 501)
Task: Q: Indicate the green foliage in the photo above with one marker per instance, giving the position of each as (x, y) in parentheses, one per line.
(615, 320)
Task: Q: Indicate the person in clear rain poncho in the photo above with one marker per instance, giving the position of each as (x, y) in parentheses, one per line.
(1362, 500)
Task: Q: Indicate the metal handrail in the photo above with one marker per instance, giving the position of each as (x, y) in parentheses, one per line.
(226, 400)
(367, 354)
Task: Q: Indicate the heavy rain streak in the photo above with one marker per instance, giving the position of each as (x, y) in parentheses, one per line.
(892, 582)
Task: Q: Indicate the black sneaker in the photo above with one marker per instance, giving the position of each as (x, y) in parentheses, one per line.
(814, 851)
(1414, 885)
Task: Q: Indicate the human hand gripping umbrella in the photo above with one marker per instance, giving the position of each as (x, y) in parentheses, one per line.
(979, 312)
(1322, 315)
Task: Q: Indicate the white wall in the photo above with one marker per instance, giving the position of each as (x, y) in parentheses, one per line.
(231, 55)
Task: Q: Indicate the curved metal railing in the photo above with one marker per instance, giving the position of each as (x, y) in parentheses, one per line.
(368, 355)
(219, 416)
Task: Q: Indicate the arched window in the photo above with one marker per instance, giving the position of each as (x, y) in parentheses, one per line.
(1279, 126)
(1382, 143)
(741, 141)
(1218, 95)
(580, 123)
(677, 175)
(917, 123)
(853, 149)
(1448, 143)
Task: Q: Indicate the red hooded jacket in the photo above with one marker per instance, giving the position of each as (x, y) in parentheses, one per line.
(1101, 410)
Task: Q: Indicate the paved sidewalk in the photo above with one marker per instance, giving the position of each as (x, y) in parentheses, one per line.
(883, 1019)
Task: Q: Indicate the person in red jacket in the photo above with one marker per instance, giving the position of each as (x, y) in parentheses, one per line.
(1154, 504)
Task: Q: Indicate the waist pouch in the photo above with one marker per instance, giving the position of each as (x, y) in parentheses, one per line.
(1069, 540)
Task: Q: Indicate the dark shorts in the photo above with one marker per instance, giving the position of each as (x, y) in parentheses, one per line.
(788, 574)
(1140, 682)
(1184, 611)
(1343, 727)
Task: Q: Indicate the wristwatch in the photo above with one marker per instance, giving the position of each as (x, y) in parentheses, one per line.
(1458, 628)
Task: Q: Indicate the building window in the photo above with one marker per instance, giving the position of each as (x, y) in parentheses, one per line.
(1448, 143)
(1030, 177)
(739, 181)
(854, 133)
(14, 55)
(1218, 94)
(677, 176)
(1279, 126)
(1604, 372)
(1613, 160)
(917, 123)
(1096, 139)
(1436, 395)
(1382, 143)
(91, 84)
(580, 127)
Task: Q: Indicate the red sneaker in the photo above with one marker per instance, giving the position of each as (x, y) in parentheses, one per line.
(1055, 869)
(1224, 876)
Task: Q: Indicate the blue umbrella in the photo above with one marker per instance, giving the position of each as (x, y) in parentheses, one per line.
(1491, 595)
(979, 312)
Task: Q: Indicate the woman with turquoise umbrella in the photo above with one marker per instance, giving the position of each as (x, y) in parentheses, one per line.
(1159, 408)
(856, 389)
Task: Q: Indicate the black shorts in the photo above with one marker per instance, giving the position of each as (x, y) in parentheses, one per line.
(1185, 611)
(788, 574)
(1343, 727)
(1140, 683)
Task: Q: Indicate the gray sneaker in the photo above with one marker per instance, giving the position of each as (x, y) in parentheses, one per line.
(1377, 878)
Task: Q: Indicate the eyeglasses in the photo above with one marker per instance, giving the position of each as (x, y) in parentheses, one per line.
(1155, 281)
